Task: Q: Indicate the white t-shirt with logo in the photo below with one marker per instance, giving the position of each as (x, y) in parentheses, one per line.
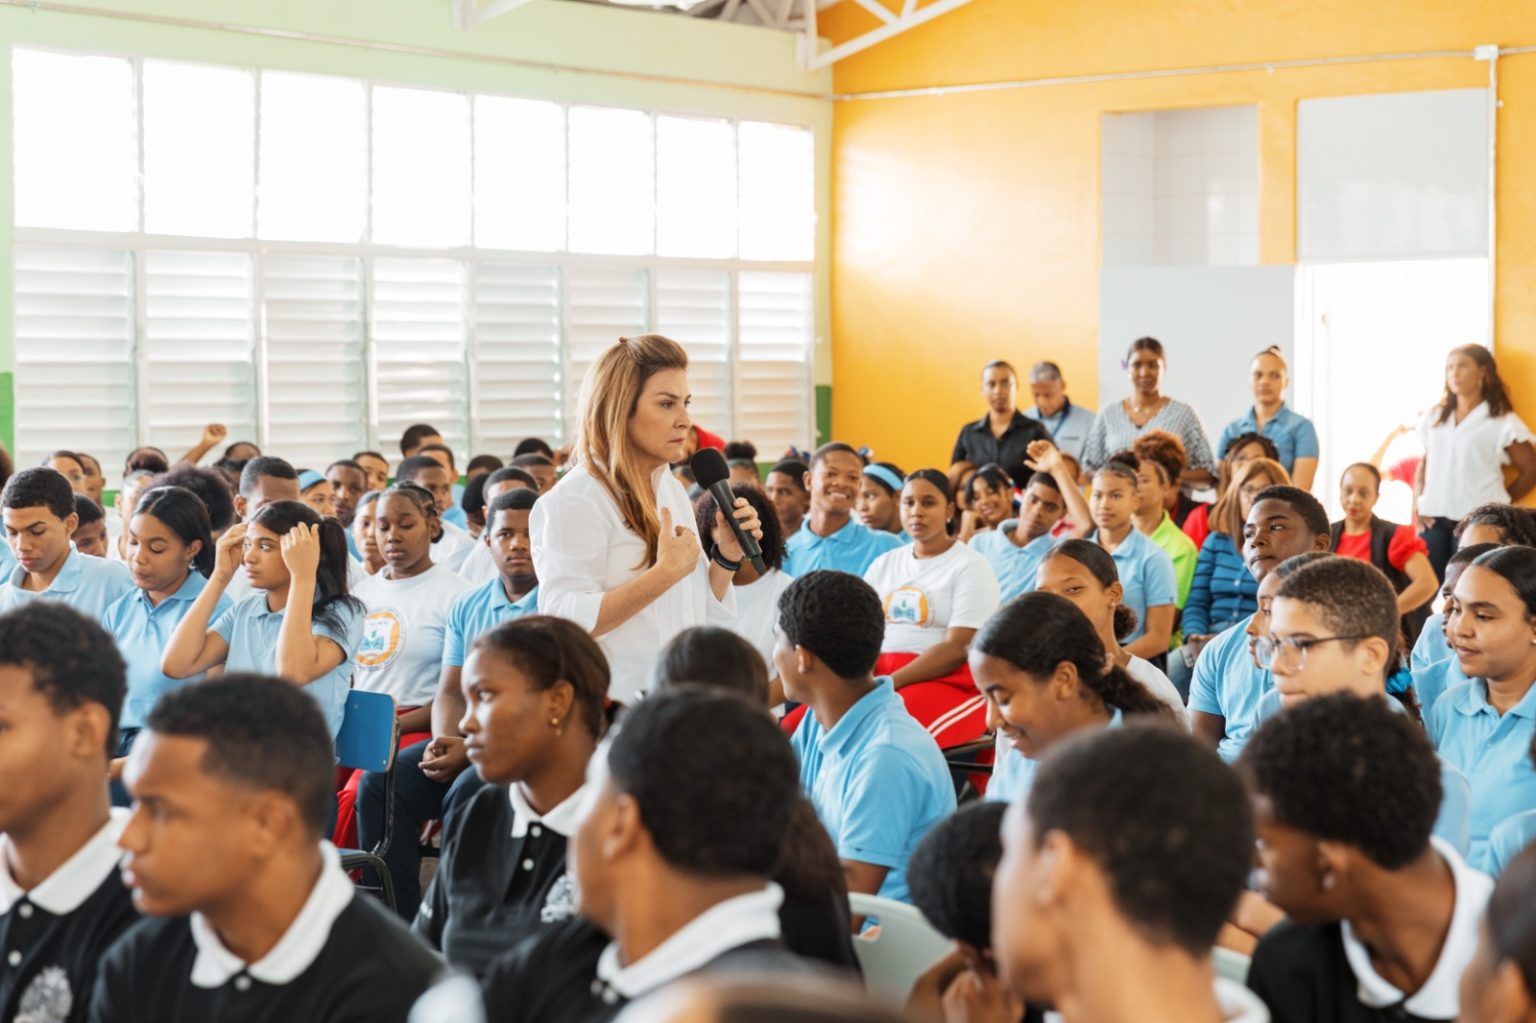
(925, 596)
(402, 649)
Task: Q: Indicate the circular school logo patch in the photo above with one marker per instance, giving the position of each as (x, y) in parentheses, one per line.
(383, 636)
(907, 605)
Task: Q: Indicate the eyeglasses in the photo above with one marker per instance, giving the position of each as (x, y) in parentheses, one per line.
(1268, 650)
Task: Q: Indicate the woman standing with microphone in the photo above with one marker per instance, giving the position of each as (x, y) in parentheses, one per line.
(611, 543)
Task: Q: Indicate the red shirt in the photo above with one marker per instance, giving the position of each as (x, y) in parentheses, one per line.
(1405, 543)
(1198, 526)
(709, 440)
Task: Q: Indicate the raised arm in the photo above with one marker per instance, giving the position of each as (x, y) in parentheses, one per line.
(194, 647)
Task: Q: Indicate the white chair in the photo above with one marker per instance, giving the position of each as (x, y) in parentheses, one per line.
(905, 945)
(1231, 965)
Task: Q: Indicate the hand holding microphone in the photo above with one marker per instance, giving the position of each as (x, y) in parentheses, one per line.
(740, 541)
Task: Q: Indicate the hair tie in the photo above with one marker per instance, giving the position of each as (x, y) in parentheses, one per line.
(879, 472)
(623, 340)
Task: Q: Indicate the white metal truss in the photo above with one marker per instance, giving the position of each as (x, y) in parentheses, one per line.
(788, 15)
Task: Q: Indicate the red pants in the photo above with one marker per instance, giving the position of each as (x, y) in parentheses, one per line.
(347, 781)
(950, 708)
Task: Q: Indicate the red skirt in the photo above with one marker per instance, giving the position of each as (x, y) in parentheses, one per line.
(950, 708)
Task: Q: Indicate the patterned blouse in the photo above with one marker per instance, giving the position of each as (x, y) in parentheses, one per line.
(1113, 431)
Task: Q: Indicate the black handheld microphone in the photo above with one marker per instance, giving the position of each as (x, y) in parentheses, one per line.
(710, 473)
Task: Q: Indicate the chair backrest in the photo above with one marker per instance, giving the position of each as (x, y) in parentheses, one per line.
(1231, 965)
(369, 731)
(905, 945)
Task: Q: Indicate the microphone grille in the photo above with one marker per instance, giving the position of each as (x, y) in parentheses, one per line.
(708, 467)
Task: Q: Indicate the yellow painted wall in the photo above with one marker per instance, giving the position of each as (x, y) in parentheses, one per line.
(966, 227)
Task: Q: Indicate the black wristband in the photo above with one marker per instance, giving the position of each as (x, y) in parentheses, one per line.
(724, 562)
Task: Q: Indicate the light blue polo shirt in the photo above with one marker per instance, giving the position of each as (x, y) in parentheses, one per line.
(1434, 680)
(1431, 645)
(1509, 839)
(1453, 823)
(1069, 428)
(1294, 435)
(457, 515)
(142, 631)
(851, 549)
(1146, 575)
(878, 782)
(89, 585)
(7, 559)
(479, 611)
(1493, 751)
(1014, 566)
(1013, 774)
(1227, 683)
(251, 632)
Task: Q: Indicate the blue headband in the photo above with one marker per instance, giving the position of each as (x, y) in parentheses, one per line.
(309, 478)
(890, 479)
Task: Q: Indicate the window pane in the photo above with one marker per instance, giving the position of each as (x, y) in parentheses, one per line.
(613, 198)
(693, 308)
(199, 150)
(420, 167)
(602, 304)
(314, 158)
(519, 174)
(778, 201)
(517, 355)
(76, 158)
(695, 187)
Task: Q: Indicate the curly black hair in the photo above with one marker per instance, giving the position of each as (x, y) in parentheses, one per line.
(1175, 856)
(1350, 769)
(71, 658)
(772, 543)
(836, 616)
(262, 734)
(1353, 598)
(950, 873)
(40, 488)
(728, 820)
(1517, 525)
(210, 486)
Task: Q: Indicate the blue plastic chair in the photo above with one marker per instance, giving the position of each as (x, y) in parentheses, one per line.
(370, 733)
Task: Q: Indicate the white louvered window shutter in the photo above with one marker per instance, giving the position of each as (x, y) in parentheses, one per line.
(516, 364)
(419, 357)
(693, 308)
(316, 395)
(74, 354)
(773, 363)
(602, 304)
(198, 352)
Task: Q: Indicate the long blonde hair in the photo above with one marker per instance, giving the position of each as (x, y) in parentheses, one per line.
(1227, 514)
(609, 394)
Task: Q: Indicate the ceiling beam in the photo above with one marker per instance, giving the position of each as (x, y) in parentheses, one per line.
(911, 17)
(468, 14)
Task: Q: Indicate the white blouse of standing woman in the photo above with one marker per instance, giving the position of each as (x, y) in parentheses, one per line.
(612, 542)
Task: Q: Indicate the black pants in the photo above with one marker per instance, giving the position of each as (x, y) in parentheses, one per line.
(1441, 541)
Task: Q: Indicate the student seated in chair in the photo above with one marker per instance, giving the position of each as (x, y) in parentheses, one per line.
(1382, 916)
(875, 776)
(671, 859)
(254, 916)
(62, 684)
(1117, 874)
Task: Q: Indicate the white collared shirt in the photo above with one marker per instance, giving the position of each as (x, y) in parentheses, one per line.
(1439, 998)
(1464, 462)
(75, 880)
(582, 549)
(724, 926)
(562, 820)
(295, 951)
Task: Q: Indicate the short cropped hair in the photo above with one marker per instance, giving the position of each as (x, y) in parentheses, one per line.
(445, 449)
(88, 510)
(1347, 768)
(1175, 856)
(414, 466)
(831, 447)
(1311, 510)
(728, 820)
(511, 472)
(794, 469)
(836, 616)
(264, 465)
(262, 734)
(71, 658)
(1352, 598)
(521, 499)
(415, 434)
(40, 488)
(708, 655)
(950, 873)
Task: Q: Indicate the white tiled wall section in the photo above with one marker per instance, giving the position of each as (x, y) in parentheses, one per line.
(1181, 187)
